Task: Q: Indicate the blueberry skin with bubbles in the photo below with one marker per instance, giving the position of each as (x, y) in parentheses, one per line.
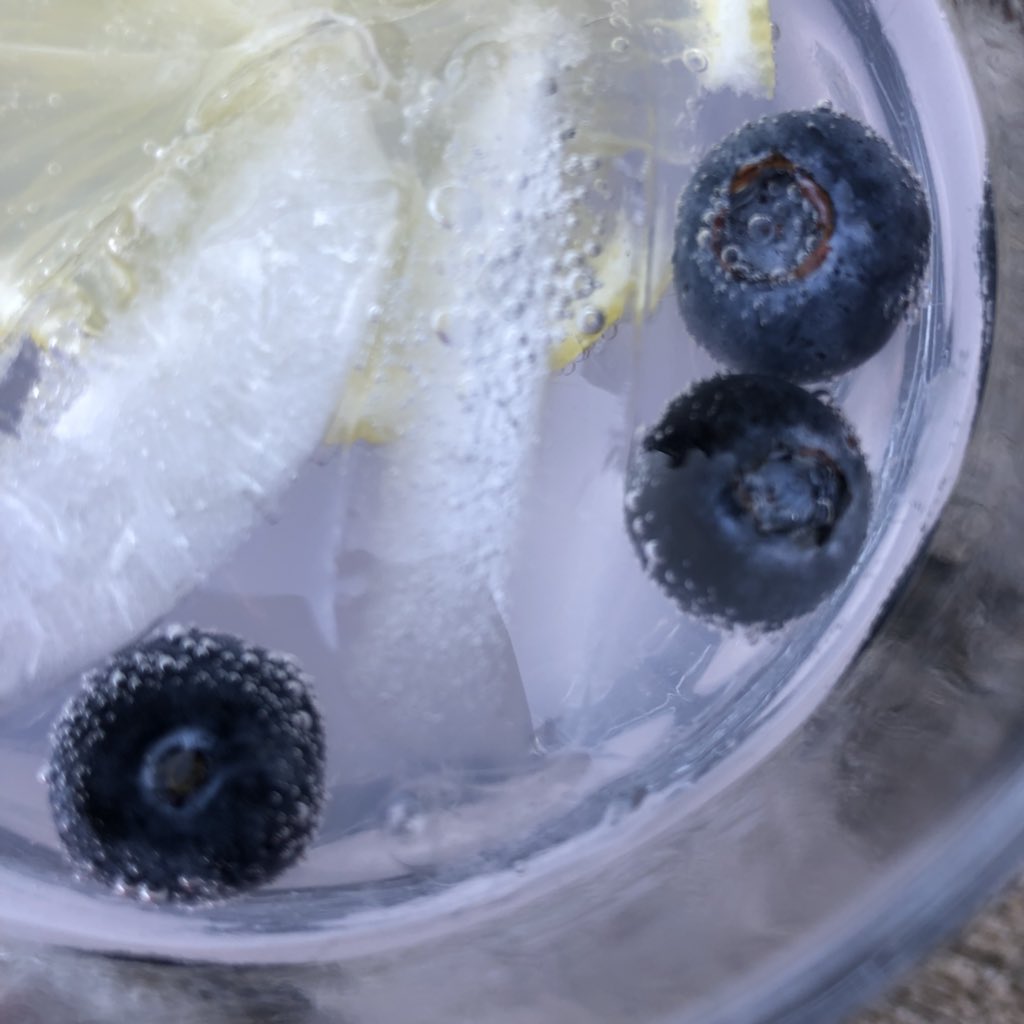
(189, 767)
(749, 502)
(801, 241)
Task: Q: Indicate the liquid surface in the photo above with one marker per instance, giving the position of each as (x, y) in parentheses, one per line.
(355, 431)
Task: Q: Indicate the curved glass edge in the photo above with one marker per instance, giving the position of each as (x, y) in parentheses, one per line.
(967, 862)
(977, 856)
(939, 890)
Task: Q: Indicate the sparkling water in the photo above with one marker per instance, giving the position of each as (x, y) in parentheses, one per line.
(354, 429)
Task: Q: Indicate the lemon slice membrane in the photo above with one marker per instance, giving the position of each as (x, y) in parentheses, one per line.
(231, 229)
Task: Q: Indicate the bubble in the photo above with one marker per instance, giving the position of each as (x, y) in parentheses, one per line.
(441, 324)
(513, 310)
(188, 163)
(620, 44)
(455, 71)
(151, 895)
(592, 320)
(559, 310)
(574, 260)
(651, 553)
(760, 227)
(404, 818)
(583, 285)
(696, 60)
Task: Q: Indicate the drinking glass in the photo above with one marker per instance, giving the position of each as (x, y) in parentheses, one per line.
(552, 797)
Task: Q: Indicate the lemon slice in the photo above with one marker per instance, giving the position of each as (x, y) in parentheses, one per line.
(474, 341)
(190, 347)
(608, 87)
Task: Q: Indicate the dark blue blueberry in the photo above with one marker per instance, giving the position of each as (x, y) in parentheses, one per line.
(749, 502)
(190, 766)
(801, 241)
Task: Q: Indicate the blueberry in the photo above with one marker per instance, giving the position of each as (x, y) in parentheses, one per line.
(749, 502)
(800, 242)
(189, 766)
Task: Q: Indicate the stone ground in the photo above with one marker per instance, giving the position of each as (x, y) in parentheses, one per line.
(979, 978)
